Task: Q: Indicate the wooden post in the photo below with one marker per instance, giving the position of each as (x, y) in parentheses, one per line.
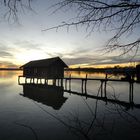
(82, 85)
(33, 80)
(25, 80)
(131, 92)
(61, 82)
(54, 82)
(66, 84)
(86, 85)
(101, 88)
(19, 80)
(30, 80)
(105, 86)
(70, 82)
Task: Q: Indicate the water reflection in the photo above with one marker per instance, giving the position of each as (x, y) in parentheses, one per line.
(87, 115)
(45, 94)
(103, 97)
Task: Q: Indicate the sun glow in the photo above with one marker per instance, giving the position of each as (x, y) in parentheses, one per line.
(27, 56)
(129, 64)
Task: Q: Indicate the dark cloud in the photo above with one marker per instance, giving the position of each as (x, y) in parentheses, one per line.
(5, 51)
(29, 45)
(7, 64)
(80, 60)
(112, 60)
(97, 60)
(5, 54)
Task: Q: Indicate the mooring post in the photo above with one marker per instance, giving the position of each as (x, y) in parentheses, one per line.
(131, 92)
(86, 84)
(19, 80)
(70, 82)
(26, 80)
(101, 88)
(66, 84)
(82, 85)
(105, 86)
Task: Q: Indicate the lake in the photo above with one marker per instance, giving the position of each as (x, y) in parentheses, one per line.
(41, 112)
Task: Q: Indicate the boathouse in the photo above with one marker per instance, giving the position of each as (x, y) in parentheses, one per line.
(50, 68)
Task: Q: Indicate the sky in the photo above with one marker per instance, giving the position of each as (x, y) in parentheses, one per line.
(25, 41)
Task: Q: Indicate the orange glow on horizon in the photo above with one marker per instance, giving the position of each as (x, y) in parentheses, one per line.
(129, 64)
(4, 66)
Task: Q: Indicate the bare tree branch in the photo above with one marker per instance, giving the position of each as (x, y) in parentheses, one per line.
(122, 16)
(14, 7)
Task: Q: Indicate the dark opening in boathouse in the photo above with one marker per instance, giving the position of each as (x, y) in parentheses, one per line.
(50, 68)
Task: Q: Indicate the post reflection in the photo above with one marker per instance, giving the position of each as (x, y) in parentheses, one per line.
(103, 96)
(48, 95)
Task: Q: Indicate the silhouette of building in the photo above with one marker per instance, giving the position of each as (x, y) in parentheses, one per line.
(50, 68)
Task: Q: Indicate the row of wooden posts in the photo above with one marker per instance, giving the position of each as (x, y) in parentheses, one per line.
(67, 88)
(66, 83)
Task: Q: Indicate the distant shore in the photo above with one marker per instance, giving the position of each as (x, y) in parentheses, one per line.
(10, 69)
(102, 70)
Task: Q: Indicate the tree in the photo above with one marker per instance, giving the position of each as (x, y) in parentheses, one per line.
(122, 16)
(13, 7)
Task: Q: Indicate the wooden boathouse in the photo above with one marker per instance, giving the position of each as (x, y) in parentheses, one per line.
(52, 68)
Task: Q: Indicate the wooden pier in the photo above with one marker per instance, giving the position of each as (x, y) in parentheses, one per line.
(66, 82)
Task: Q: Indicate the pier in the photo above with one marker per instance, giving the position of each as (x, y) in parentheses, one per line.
(67, 81)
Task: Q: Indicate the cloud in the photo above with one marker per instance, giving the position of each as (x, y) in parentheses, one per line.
(20, 51)
(97, 60)
(28, 45)
(5, 51)
(5, 54)
(80, 60)
(7, 64)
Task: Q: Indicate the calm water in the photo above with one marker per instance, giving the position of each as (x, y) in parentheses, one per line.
(46, 113)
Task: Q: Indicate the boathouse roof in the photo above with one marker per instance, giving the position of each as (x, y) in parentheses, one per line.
(44, 63)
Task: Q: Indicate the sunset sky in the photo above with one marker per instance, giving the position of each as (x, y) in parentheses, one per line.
(23, 42)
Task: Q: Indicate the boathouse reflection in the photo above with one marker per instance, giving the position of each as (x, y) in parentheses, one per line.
(45, 94)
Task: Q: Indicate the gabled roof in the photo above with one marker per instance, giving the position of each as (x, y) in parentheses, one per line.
(44, 63)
